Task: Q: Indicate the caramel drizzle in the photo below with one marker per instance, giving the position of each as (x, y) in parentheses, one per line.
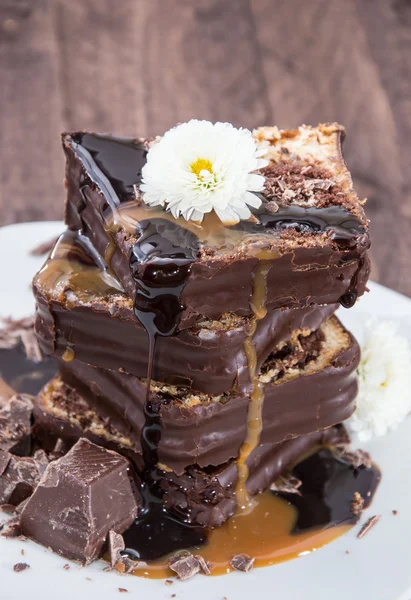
(255, 407)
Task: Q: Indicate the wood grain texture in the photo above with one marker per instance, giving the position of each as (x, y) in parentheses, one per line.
(138, 67)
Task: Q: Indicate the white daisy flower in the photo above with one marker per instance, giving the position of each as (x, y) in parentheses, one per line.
(384, 382)
(198, 167)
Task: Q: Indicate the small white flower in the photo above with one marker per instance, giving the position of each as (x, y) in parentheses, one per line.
(384, 382)
(198, 167)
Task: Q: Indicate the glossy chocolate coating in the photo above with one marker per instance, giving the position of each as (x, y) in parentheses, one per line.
(107, 335)
(212, 433)
(203, 496)
(321, 273)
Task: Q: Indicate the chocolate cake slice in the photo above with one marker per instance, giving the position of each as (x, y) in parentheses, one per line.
(80, 313)
(205, 496)
(309, 385)
(310, 229)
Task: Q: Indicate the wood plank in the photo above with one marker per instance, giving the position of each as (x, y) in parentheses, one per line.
(31, 165)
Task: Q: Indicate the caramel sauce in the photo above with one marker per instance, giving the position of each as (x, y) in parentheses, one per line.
(255, 408)
(72, 267)
(263, 533)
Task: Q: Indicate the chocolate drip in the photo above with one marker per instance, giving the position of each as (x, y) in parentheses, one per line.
(155, 532)
(160, 262)
(327, 491)
(114, 164)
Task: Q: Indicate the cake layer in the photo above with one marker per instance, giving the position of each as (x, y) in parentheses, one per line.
(307, 387)
(310, 229)
(100, 328)
(204, 496)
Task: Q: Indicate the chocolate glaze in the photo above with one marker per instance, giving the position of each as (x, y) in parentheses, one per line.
(200, 496)
(303, 275)
(211, 434)
(104, 333)
(328, 487)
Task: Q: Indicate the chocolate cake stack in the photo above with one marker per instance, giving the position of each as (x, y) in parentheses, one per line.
(207, 353)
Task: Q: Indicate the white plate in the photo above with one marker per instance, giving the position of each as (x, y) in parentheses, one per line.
(378, 567)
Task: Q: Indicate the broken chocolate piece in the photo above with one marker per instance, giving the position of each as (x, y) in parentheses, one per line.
(205, 566)
(368, 525)
(15, 425)
(12, 528)
(121, 562)
(185, 564)
(242, 562)
(19, 567)
(79, 499)
(18, 478)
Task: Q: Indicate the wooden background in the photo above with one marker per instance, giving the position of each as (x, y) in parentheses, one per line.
(139, 66)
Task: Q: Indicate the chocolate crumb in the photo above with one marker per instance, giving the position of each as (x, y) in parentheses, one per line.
(12, 530)
(286, 483)
(19, 567)
(347, 551)
(242, 562)
(44, 247)
(22, 551)
(185, 564)
(368, 525)
(168, 582)
(357, 503)
(395, 512)
(122, 590)
(173, 595)
(89, 579)
(66, 567)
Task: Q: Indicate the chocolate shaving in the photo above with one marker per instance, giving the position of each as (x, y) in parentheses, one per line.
(358, 458)
(205, 566)
(357, 504)
(242, 562)
(122, 590)
(185, 564)
(368, 525)
(22, 331)
(119, 562)
(44, 247)
(19, 567)
(287, 483)
(66, 567)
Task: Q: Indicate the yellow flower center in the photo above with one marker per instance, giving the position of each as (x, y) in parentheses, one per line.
(201, 164)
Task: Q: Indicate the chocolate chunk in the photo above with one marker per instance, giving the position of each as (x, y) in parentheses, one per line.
(15, 424)
(19, 567)
(286, 483)
(18, 479)
(242, 562)
(79, 499)
(42, 461)
(185, 564)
